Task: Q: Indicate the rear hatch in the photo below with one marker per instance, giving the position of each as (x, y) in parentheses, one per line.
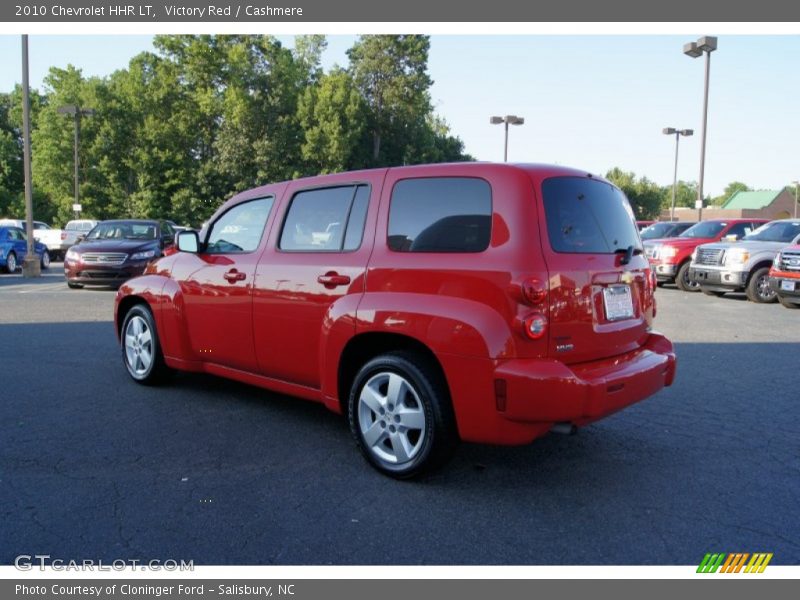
(599, 280)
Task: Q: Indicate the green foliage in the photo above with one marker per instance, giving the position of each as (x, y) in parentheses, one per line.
(645, 196)
(730, 190)
(202, 117)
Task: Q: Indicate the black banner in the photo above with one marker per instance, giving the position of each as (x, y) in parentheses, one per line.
(497, 11)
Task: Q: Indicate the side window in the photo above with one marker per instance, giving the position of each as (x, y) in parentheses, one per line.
(739, 230)
(440, 214)
(18, 235)
(239, 229)
(326, 220)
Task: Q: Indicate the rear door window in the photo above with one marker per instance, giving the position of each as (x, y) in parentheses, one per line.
(440, 214)
(587, 216)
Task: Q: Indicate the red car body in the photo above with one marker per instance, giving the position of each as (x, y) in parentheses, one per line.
(784, 276)
(302, 323)
(669, 255)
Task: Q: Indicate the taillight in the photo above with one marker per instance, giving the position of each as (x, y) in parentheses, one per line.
(533, 291)
(535, 326)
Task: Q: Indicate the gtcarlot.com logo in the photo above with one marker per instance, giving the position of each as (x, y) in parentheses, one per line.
(735, 562)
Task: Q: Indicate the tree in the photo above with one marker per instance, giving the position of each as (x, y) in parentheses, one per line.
(730, 190)
(645, 196)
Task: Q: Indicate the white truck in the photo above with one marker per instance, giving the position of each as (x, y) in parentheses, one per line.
(58, 241)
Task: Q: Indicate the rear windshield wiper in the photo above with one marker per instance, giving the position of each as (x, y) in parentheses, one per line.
(629, 253)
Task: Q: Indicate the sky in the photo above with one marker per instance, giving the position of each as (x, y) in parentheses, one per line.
(589, 101)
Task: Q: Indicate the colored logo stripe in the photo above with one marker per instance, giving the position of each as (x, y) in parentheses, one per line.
(734, 562)
(710, 563)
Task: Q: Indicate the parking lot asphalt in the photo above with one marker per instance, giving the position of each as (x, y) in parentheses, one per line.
(93, 466)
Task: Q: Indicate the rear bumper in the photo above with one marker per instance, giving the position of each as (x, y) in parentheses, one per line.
(718, 279)
(549, 391)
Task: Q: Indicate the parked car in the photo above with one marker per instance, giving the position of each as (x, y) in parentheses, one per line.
(115, 251)
(430, 304)
(784, 276)
(14, 248)
(665, 229)
(670, 258)
(42, 232)
(735, 266)
(642, 225)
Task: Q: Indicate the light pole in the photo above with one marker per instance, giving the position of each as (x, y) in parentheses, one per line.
(796, 186)
(677, 133)
(508, 120)
(30, 265)
(705, 45)
(77, 112)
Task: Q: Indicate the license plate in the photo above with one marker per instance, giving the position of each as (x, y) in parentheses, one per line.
(787, 286)
(618, 302)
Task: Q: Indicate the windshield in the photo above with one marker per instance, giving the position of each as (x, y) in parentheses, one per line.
(119, 230)
(588, 216)
(706, 229)
(656, 230)
(777, 231)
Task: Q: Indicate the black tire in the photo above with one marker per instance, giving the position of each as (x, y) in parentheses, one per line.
(708, 292)
(786, 303)
(45, 261)
(139, 322)
(758, 289)
(398, 450)
(74, 286)
(682, 279)
(11, 262)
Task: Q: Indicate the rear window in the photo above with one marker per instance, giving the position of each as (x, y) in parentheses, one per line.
(587, 216)
(440, 214)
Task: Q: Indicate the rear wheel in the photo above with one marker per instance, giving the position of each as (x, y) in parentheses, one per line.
(758, 289)
(141, 351)
(400, 415)
(45, 260)
(682, 279)
(785, 302)
(11, 262)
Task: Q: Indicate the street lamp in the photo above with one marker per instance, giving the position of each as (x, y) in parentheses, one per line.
(508, 120)
(77, 112)
(677, 133)
(706, 44)
(796, 186)
(30, 264)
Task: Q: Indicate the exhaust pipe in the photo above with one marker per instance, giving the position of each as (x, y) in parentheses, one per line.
(564, 428)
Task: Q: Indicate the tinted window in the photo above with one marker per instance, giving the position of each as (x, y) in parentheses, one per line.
(326, 219)
(657, 230)
(444, 214)
(240, 228)
(123, 230)
(740, 230)
(587, 216)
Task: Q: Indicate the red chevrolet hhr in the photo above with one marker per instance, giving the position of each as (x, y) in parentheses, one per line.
(430, 304)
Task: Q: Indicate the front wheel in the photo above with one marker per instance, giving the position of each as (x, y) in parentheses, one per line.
(141, 351)
(682, 279)
(11, 262)
(786, 303)
(400, 415)
(758, 289)
(45, 262)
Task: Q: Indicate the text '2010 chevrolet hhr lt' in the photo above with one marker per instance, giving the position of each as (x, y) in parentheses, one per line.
(480, 302)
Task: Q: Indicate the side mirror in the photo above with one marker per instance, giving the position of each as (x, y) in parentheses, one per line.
(187, 241)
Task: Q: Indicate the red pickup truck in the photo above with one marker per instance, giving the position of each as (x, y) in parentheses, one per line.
(784, 276)
(670, 257)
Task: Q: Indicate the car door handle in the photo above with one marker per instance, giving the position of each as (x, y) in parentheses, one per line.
(233, 276)
(332, 279)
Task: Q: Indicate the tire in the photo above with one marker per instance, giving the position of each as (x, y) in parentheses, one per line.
(74, 286)
(45, 262)
(713, 293)
(141, 350)
(682, 279)
(11, 262)
(788, 303)
(758, 289)
(400, 415)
